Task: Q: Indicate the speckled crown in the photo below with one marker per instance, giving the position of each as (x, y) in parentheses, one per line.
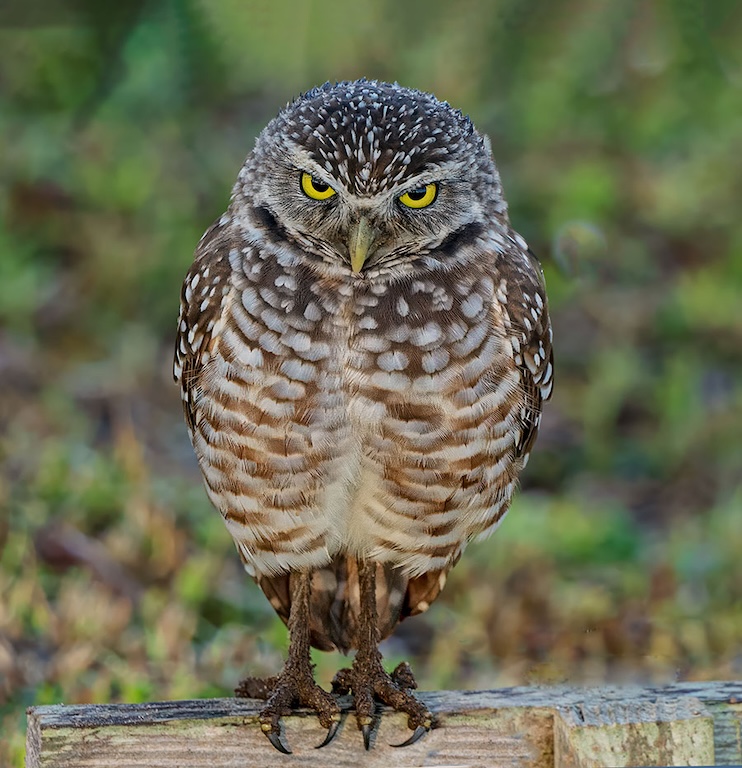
(370, 134)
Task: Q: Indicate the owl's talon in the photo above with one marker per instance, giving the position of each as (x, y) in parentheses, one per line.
(332, 732)
(291, 690)
(275, 739)
(417, 734)
(366, 730)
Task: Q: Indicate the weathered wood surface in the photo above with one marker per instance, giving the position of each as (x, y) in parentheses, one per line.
(555, 727)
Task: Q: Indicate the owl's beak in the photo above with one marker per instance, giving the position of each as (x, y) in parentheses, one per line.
(360, 243)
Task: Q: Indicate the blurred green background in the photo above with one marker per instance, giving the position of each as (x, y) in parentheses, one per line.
(617, 127)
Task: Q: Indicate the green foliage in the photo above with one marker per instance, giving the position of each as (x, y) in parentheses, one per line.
(617, 129)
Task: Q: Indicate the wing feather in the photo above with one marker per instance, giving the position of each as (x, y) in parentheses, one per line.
(528, 329)
(202, 299)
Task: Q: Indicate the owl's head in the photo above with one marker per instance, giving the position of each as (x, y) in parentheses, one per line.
(371, 179)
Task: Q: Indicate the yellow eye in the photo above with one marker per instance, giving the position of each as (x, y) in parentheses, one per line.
(315, 188)
(419, 197)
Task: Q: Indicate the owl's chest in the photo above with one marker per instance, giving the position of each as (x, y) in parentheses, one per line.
(417, 345)
(355, 407)
(362, 354)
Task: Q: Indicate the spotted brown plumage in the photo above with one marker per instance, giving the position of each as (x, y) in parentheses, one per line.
(357, 426)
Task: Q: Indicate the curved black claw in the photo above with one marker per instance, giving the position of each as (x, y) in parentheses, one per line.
(332, 732)
(275, 739)
(417, 734)
(366, 731)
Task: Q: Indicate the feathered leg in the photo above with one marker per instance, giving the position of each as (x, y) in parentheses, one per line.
(367, 678)
(295, 685)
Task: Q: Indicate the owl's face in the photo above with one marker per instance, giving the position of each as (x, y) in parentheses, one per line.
(372, 180)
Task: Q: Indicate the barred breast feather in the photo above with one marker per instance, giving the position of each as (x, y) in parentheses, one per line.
(341, 418)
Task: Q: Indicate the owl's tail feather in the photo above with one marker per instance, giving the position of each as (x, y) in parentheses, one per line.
(335, 600)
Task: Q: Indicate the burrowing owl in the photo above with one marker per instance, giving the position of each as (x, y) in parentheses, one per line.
(364, 349)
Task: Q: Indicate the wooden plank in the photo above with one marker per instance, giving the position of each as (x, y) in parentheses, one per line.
(667, 731)
(225, 733)
(685, 724)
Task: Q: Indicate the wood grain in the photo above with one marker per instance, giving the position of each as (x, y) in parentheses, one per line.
(684, 724)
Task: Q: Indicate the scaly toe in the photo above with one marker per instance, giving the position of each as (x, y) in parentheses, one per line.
(403, 677)
(255, 687)
(342, 682)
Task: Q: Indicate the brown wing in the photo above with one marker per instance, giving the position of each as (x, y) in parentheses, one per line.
(202, 298)
(529, 331)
